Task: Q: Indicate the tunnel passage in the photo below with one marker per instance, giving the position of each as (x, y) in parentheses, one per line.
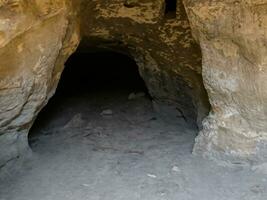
(41, 36)
(102, 70)
(106, 75)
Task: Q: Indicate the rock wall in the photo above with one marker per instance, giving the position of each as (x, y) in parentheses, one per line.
(37, 37)
(168, 57)
(233, 38)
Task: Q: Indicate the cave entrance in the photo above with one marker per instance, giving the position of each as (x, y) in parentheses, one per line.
(99, 82)
(170, 8)
(100, 71)
(100, 133)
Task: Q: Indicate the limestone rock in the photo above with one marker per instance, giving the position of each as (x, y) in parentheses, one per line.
(232, 35)
(35, 41)
(38, 36)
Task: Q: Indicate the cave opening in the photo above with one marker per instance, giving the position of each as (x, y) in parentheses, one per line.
(93, 81)
(170, 8)
(100, 70)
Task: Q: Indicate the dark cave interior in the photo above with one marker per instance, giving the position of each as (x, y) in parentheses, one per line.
(86, 75)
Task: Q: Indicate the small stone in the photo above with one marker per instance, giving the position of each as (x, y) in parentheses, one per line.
(131, 96)
(75, 122)
(257, 189)
(86, 185)
(107, 112)
(134, 95)
(130, 3)
(175, 169)
(260, 168)
(152, 175)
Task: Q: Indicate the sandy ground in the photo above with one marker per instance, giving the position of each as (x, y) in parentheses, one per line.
(129, 154)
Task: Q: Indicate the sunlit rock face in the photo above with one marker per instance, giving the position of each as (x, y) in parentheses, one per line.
(38, 36)
(233, 38)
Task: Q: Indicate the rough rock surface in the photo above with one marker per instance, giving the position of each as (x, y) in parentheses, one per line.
(169, 59)
(233, 38)
(37, 37)
(132, 155)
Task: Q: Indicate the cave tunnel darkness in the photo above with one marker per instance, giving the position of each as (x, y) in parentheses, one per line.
(88, 74)
(85, 153)
(98, 71)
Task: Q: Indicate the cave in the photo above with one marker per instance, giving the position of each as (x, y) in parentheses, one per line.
(99, 77)
(133, 99)
(170, 8)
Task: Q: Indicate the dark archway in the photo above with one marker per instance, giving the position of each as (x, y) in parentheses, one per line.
(86, 74)
(102, 70)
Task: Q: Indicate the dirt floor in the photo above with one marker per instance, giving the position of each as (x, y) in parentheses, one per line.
(106, 147)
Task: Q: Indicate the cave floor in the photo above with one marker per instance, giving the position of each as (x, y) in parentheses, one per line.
(132, 154)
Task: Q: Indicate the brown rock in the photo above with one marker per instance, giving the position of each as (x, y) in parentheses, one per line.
(37, 38)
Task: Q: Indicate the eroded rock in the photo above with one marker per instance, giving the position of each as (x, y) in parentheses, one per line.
(232, 35)
(37, 37)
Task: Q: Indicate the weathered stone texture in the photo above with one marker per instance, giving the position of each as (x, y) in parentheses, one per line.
(37, 37)
(233, 38)
(169, 59)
